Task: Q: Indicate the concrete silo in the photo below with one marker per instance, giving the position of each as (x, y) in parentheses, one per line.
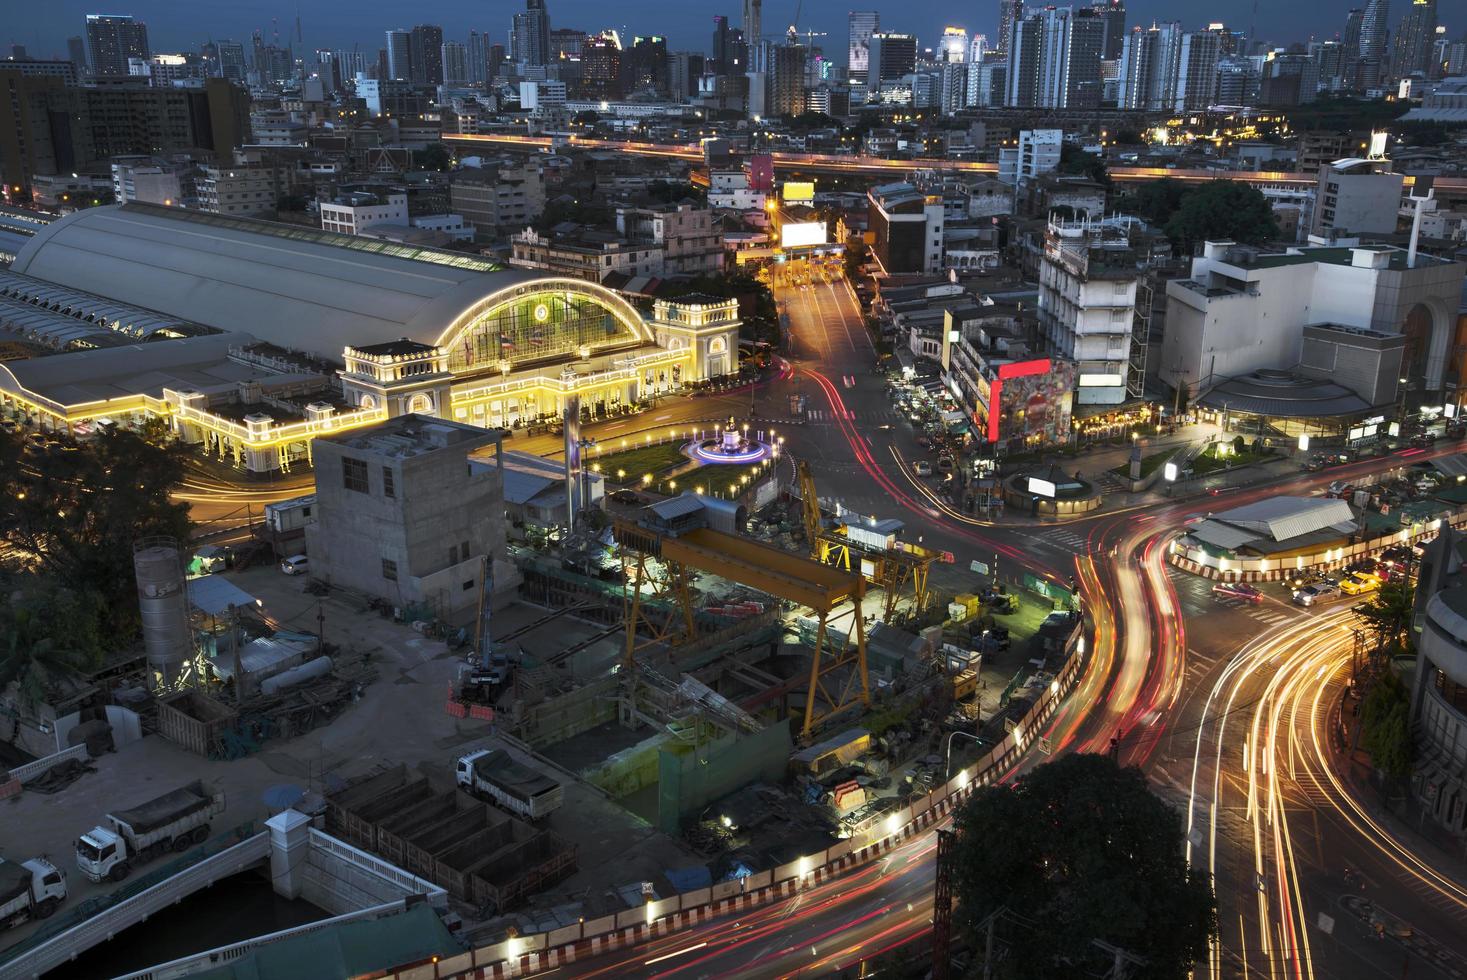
(163, 601)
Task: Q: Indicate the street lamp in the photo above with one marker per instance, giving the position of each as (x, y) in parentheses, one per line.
(948, 758)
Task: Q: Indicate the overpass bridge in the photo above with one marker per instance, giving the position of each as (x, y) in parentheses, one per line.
(881, 166)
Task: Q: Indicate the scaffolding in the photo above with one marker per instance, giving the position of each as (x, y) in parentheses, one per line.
(659, 606)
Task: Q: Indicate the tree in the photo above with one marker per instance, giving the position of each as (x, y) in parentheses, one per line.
(75, 510)
(48, 632)
(1081, 851)
(1388, 614)
(434, 156)
(1154, 200)
(1222, 210)
(1385, 723)
(1077, 162)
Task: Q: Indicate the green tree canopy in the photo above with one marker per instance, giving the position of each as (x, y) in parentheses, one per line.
(1388, 615)
(74, 512)
(1075, 161)
(1385, 719)
(46, 632)
(434, 156)
(1154, 200)
(1221, 210)
(1081, 850)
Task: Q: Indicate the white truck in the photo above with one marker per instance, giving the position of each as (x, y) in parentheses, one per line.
(29, 890)
(493, 775)
(173, 821)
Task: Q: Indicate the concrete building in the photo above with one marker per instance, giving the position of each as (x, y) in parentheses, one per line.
(240, 190)
(171, 183)
(497, 198)
(1088, 290)
(355, 210)
(111, 40)
(1242, 311)
(1439, 683)
(691, 245)
(38, 68)
(1357, 197)
(407, 510)
(1037, 152)
(591, 256)
(1054, 59)
(907, 228)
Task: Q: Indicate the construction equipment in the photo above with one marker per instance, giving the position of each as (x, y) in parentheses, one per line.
(486, 669)
(897, 571)
(493, 774)
(172, 821)
(29, 890)
(678, 539)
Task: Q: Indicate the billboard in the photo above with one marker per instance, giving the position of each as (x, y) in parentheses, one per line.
(798, 192)
(1029, 403)
(797, 233)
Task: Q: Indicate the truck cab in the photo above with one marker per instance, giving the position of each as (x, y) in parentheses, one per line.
(29, 890)
(99, 851)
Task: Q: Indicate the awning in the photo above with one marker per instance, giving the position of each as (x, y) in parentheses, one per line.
(213, 595)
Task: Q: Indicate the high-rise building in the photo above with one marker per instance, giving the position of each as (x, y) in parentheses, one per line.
(1010, 12)
(684, 69)
(1289, 79)
(455, 60)
(978, 49)
(753, 21)
(1113, 13)
(1374, 28)
(425, 46)
(1412, 50)
(644, 65)
(786, 83)
(953, 46)
(1196, 84)
(532, 34)
(76, 53)
(601, 67)
(112, 39)
(400, 55)
(1054, 59)
(476, 55)
(863, 24)
(728, 48)
(892, 56)
(1149, 62)
(565, 42)
(232, 65)
(1237, 81)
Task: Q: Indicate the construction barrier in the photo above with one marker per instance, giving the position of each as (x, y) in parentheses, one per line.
(538, 952)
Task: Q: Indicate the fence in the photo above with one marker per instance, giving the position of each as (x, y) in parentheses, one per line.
(522, 955)
(31, 770)
(108, 923)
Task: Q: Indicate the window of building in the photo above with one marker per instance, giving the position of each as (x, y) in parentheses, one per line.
(464, 550)
(389, 569)
(468, 585)
(453, 554)
(389, 489)
(354, 474)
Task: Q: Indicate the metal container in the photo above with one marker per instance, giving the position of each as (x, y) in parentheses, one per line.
(163, 602)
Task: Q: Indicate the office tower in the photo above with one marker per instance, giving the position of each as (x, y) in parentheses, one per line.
(978, 49)
(1010, 12)
(1290, 79)
(1374, 26)
(1351, 38)
(953, 46)
(328, 70)
(684, 68)
(565, 42)
(112, 39)
(496, 60)
(892, 56)
(863, 23)
(1196, 80)
(644, 65)
(729, 50)
(1113, 13)
(400, 56)
(76, 52)
(1237, 81)
(477, 56)
(752, 23)
(425, 51)
(1149, 63)
(1054, 59)
(455, 59)
(601, 67)
(1330, 56)
(532, 34)
(1412, 50)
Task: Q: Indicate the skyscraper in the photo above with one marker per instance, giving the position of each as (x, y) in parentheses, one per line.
(1412, 50)
(863, 23)
(1113, 14)
(455, 59)
(752, 24)
(400, 55)
(425, 44)
(1010, 12)
(953, 46)
(1149, 63)
(892, 56)
(1054, 59)
(1374, 26)
(644, 65)
(76, 51)
(786, 92)
(1197, 59)
(478, 58)
(601, 67)
(729, 51)
(532, 33)
(112, 39)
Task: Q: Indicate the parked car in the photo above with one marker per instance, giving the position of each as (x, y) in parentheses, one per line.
(945, 463)
(626, 497)
(1317, 592)
(922, 468)
(1237, 590)
(295, 565)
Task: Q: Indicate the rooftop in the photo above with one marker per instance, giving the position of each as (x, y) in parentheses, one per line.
(1275, 521)
(1282, 394)
(413, 435)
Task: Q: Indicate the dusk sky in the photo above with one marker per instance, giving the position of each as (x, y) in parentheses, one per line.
(175, 25)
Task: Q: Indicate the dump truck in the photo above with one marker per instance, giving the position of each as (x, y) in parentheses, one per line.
(493, 775)
(126, 838)
(29, 890)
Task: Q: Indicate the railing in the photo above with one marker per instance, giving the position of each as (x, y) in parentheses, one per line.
(186, 965)
(31, 770)
(410, 883)
(106, 924)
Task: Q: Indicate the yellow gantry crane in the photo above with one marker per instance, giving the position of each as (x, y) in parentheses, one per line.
(897, 572)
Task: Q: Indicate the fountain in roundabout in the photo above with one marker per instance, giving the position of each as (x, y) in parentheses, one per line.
(729, 444)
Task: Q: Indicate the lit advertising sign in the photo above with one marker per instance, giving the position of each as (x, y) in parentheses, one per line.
(1041, 488)
(801, 233)
(799, 192)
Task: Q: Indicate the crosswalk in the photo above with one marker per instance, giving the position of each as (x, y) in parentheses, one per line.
(875, 416)
(1069, 540)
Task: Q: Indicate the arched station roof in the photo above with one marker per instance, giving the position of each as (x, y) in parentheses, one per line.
(293, 286)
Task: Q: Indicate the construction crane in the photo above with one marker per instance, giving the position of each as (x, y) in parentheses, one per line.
(897, 571)
(794, 33)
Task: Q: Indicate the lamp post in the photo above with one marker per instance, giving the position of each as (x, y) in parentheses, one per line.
(947, 763)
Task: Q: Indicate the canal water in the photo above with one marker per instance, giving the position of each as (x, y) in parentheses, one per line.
(234, 909)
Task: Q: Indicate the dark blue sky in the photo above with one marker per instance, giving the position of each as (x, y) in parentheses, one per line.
(44, 25)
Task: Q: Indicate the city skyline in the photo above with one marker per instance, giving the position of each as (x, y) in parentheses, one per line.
(336, 24)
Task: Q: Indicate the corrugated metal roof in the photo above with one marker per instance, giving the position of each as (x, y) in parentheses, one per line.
(213, 595)
(677, 506)
(1281, 518)
(1451, 465)
(1221, 535)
